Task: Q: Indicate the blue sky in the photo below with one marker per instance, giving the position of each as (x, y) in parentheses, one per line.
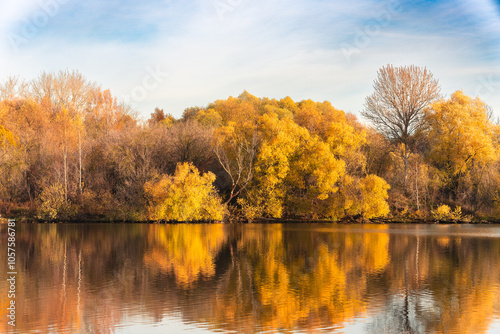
(178, 54)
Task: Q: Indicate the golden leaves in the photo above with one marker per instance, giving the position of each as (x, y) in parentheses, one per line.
(6, 136)
(184, 196)
(374, 196)
(460, 134)
(304, 150)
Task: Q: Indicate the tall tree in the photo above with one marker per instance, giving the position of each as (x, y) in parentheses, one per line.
(396, 106)
(69, 89)
(463, 145)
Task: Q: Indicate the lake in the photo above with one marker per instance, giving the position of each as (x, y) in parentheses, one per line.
(253, 278)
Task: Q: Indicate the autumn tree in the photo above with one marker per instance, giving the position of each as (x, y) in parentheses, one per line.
(184, 196)
(65, 136)
(10, 158)
(463, 144)
(396, 106)
(284, 164)
(26, 165)
(294, 169)
(309, 158)
(59, 119)
(376, 152)
(236, 140)
(105, 114)
(6, 136)
(160, 118)
(53, 203)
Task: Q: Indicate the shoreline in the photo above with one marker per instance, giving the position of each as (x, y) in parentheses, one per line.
(346, 221)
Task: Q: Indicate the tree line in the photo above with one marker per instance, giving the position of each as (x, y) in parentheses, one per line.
(70, 150)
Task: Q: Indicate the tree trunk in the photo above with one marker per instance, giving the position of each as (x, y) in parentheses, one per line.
(416, 184)
(80, 186)
(405, 162)
(65, 156)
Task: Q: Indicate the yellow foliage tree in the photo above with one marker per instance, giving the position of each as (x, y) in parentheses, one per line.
(464, 146)
(460, 134)
(358, 196)
(442, 212)
(374, 197)
(184, 196)
(235, 146)
(281, 138)
(293, 169)
(208, 118)
(6, 136)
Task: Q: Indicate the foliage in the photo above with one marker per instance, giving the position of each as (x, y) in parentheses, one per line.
(184, 196)
(53, 204)
(293, 170)
(463, 145)
(264, 157)
(6, 136)
(374, 197)
(460, 134)
(442, 212)
(235, 146)
(358, 196)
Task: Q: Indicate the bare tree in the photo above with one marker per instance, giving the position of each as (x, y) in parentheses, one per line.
(69, 89)
(13, 88)
(397, 104)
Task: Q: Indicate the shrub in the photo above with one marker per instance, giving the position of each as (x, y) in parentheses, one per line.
(184, 196)
(52, 204)
(374, 197)
(442, 212)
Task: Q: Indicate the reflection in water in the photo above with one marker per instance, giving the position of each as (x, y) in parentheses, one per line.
(252, 278)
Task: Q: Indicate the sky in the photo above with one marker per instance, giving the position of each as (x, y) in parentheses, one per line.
(179, 54)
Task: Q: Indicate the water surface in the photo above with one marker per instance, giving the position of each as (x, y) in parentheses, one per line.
(120, 278)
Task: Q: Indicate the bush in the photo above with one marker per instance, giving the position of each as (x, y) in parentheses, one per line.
(184, 196)
(374, 197)
(442, 212)
(102, 204)
(52, 204)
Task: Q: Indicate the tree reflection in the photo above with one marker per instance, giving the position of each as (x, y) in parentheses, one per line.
(187, 252)
(250, 278)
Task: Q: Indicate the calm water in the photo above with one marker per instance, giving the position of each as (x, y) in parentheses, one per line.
(254, 278)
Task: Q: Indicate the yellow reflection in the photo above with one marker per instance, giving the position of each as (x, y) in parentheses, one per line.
(306, 290)
(186, 250)
(443, 241)
(269, 277)
(375, 251)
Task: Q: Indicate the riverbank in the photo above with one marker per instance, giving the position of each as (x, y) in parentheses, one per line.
(347, 220)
